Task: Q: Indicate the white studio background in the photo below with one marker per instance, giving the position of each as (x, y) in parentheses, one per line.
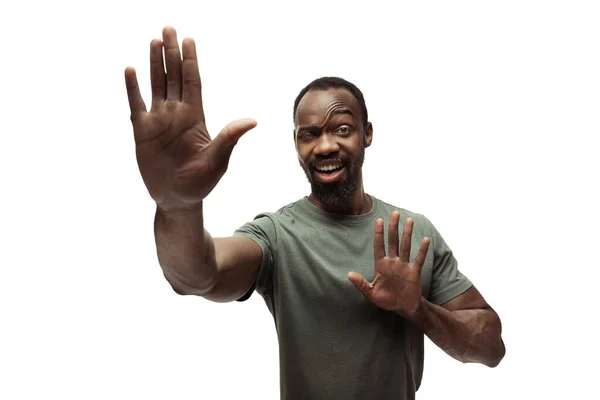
(485, 119)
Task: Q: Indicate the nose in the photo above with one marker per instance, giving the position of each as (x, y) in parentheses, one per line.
(326, 145)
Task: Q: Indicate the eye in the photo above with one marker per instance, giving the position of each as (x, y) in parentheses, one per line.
(343, 130)
(306, 135)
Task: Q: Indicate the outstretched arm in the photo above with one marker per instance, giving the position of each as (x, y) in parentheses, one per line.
(180, 165)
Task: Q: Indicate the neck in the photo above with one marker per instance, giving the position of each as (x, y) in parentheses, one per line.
(359, 203)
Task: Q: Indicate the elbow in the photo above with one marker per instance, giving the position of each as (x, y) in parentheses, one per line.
(497, 347)
(498, 356)
(190, 289)
(493, 363)
(180, 290)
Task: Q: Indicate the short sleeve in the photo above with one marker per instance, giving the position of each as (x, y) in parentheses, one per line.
(262, 231)
(447, 281)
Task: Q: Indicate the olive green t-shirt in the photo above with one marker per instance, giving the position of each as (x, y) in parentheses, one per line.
(333, 343)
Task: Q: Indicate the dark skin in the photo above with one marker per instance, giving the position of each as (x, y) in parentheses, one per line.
(466, 327)
(180, 165)
(329, 124)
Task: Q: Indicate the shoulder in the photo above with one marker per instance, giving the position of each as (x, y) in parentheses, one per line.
(269, 221)
(284, 214)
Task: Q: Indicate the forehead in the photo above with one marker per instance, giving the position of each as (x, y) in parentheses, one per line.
(315, 105)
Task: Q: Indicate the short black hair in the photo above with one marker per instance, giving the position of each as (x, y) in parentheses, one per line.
(331, 82)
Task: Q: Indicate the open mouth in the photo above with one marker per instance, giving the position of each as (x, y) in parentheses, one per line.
(330, 172)
(329, 169)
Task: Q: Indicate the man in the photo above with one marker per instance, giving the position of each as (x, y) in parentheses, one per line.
(351, 313)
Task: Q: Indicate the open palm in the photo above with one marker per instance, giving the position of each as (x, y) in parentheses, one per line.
(179, 162)
(397, 282)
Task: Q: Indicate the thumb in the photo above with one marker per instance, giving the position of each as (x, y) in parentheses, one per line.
(226, 140)
(361, 284)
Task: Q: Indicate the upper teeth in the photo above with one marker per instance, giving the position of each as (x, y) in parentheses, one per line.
(328, 167)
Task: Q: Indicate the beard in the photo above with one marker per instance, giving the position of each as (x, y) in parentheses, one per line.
(340, 192)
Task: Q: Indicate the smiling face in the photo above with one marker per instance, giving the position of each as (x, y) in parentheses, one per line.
(331, 138)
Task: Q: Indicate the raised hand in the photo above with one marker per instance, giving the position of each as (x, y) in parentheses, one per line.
(397, 283)
(179, 162)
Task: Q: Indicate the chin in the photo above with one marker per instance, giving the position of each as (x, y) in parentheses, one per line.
(334, 195)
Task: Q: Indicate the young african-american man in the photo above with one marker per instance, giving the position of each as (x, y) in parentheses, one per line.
(352, 300)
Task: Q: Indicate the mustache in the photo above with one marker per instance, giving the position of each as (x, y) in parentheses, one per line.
(344, 160)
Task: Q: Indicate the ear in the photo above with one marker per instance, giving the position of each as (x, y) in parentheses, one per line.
(368, 135)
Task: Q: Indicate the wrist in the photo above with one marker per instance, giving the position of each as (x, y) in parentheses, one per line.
(420, 317)
(180, 209)
(179, 218)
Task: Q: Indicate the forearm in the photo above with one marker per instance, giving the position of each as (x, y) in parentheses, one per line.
(185, 250)
(466, 335)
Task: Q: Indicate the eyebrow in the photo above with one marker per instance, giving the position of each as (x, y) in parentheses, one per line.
(315, 127)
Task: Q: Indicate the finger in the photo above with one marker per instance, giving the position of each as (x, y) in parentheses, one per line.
(361, 284)
(406, 241)
(192, 85)
(136, 103)
(173, 61)
(226, 140)
(158, 78)
(422, 254)
(378, 242)
(393, 234)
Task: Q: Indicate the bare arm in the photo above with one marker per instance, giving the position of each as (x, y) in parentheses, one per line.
(466, 328)
(181, 164)
(220, 269)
